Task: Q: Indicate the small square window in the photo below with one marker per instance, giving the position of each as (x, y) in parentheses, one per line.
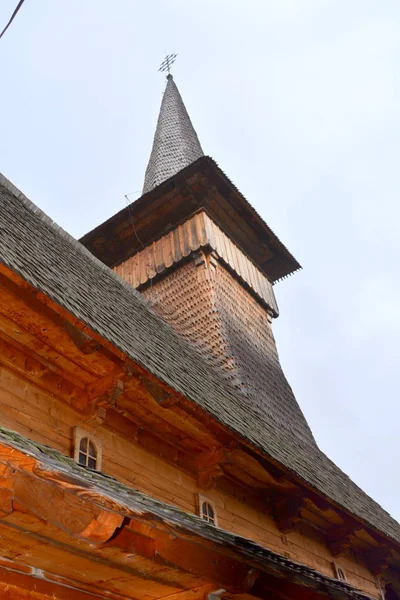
(207, 510)
(87, 449)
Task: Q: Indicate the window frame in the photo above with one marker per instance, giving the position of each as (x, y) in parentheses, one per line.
(340, 573)
(79, 435)
(380, 584)
(200, 501)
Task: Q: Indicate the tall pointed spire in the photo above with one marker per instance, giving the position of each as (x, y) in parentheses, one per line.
(175, 143)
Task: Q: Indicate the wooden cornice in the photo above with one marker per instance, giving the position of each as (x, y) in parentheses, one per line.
(378, 560)
(286, 510)
(82, 341)
(34, 370)
(340, 538)
(210, 467)
(78, 518)
(201, 185)
(102, 395)
(167, 549)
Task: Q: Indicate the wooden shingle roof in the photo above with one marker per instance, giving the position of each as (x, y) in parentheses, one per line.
(201, 186)
(57, 265)
(175, 143)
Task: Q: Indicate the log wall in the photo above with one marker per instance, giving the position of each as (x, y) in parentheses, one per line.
(41, 416)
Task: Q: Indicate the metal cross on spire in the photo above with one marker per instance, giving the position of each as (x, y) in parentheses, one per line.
(167, 63)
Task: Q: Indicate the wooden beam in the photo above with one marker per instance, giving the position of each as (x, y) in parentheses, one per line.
(102, 396)
(237, 463)
(378, 560)
(44, 583)
(36, 543)
(183, 554)
(78, 517)
(286, 510)
(159, 393)
(209, 466)
(198, 593)
(257, 468)
(340, 538)
(82, 341)
(34, 370)
(6, 502)
(18, 582)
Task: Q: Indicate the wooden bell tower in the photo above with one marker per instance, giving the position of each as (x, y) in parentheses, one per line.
(207, 263)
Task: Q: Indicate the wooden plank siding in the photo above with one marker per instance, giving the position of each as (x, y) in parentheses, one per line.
(197, 232)
(41, 416)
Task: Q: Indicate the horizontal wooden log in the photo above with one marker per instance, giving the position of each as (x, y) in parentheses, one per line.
(183, 554)
(39, 585)
(65, 510)
(36, 371)
(82, 341)
(197, 593)
(41, 318)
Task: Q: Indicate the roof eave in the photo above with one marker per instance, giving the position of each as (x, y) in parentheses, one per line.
(38, 464)
(283, 262)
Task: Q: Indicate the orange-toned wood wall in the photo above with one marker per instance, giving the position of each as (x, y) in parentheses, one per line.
(42, 417)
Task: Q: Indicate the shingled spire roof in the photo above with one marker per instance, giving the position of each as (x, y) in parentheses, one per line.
(175, 143)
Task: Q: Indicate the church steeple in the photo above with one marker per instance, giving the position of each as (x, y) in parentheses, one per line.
(175, 143)
(203, 257)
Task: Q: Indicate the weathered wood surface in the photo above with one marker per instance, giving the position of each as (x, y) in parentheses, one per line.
(56, 524)
(197, 232)
(153, 439)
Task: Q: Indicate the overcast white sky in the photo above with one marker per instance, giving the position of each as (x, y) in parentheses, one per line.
(298, 102)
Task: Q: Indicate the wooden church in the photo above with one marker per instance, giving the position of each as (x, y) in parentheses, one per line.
(150, 445)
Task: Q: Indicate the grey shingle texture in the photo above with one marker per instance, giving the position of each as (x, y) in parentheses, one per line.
(60, 267)
(175, 143)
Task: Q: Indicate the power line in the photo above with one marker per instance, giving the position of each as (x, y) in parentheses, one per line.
(20, 3)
